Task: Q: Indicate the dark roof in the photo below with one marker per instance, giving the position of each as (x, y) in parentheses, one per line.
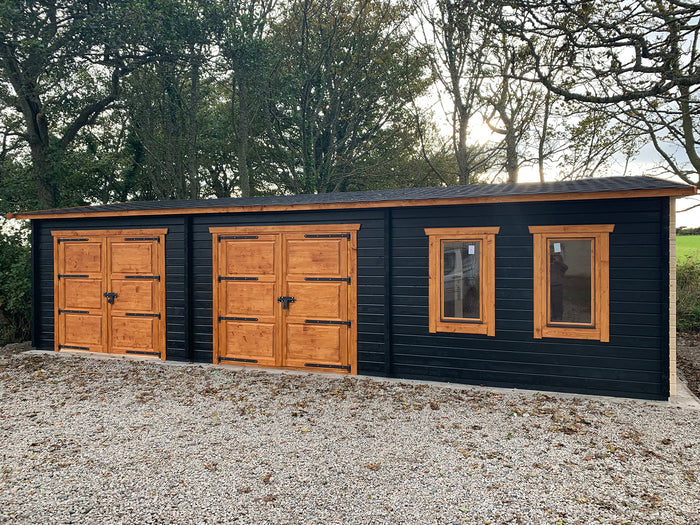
(450, 194)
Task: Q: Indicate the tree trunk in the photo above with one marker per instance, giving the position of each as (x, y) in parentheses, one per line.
(543, 136)
(511, 164)
(689, 142)
(41, 168)
(192, 159)
(462, 152)
(243, 132)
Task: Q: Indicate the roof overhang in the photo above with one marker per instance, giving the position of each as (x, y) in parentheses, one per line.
(84, 212)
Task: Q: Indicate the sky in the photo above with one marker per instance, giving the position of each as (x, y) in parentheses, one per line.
(645, 163)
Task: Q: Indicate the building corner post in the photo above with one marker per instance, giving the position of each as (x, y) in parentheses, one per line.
(672, 377)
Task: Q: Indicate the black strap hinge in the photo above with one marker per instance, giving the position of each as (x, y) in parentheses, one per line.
(71, 347)
(323, 321)
(60, 311)
(319, 365)
(328, 236)
(224, 318)
(237, 359)
(130, 314)
(156, 277)
(157, 239)
(224, 278)
(73, 276)
(346, 279)
(222, 237)
(140, 352)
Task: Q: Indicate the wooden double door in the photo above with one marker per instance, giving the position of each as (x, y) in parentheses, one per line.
(109, 291)
(285, 296)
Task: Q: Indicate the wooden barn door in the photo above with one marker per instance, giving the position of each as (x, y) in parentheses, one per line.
(136, 280)
(246, 284)
(110, 291)
(316, 325)
(80, 308)
(285, 296)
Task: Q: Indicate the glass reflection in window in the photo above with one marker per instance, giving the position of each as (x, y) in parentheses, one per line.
(461, 279)
(570, 281)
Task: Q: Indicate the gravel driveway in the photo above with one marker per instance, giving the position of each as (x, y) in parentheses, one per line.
(114, 441)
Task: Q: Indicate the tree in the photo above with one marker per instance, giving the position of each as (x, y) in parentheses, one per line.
(517, 107)
(65, 63)
(345, 77)
(459, 38)
(243, 42)
(635, 59)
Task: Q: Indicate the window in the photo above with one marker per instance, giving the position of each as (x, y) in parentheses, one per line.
(462, 280)
(571, 290)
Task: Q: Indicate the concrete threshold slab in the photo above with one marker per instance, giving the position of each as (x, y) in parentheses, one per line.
(684, 399)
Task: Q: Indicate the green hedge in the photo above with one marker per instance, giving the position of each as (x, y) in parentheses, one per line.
(688, 294)
(15, 287)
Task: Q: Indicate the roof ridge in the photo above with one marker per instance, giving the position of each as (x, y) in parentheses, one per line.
(384, 197)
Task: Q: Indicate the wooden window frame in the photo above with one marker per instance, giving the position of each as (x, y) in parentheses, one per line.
(599, 235)
(486, 323)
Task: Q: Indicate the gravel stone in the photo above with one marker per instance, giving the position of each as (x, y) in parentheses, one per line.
(122, 441)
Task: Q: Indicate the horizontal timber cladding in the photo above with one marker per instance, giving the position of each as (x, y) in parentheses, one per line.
(632, 364)
(393, 336)
(175, 296)
(370, 276)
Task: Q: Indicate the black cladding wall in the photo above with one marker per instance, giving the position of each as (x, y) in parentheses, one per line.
(393, 337)
(635, 361)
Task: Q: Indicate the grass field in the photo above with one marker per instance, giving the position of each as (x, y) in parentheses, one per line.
(687, 245)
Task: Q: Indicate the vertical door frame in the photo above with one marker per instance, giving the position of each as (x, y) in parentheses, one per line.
(106, 269)
(350, 229)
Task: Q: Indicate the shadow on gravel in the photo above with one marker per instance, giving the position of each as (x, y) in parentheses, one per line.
(15, 348)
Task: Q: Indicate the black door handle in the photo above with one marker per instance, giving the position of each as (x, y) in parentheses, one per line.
(285, 301)
(110, 297)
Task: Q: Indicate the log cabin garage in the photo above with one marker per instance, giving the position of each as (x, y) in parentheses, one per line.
(566, 286)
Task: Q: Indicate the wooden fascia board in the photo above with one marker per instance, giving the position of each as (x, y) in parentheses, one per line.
(489, 199)
(114, 233)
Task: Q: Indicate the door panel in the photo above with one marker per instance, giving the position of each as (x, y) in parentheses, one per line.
(318, 300)
(82, 330)
(249, 299)
(132, 334)
(316, 344)
(135, 295)
(250, 342)
(81, 256)
(82, 294)
(309, 257)
(133, 257)
(250, 257)
(126, 264)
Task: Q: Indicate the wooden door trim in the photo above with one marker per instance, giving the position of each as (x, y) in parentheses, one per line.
(109, 233)
(352, 304)
(294, 228)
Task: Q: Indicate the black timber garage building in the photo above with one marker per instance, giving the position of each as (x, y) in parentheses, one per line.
(566, 286)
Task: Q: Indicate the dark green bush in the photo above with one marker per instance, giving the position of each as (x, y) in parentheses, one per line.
(688, 294)
(15, 287)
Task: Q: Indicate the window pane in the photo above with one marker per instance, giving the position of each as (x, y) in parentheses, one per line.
(570, 281)
(460, 290)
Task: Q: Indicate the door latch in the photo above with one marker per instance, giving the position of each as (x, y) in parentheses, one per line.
(110, 297)
(285, 301)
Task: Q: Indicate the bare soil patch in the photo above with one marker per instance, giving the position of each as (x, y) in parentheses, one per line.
(688, 360)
